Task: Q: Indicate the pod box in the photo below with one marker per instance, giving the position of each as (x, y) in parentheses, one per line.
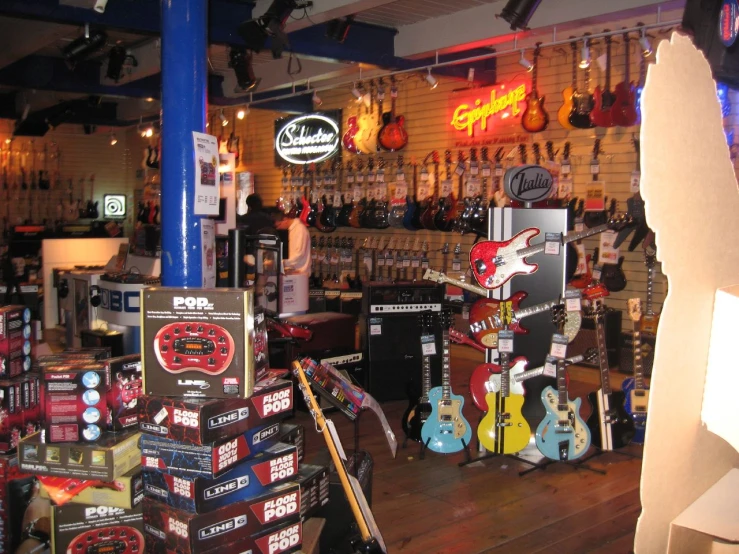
(208, 460)
(206, 420)
(248, 479)
(126, 491)
(81, 528)
(282, 539)
(198, 343)
(188, 533)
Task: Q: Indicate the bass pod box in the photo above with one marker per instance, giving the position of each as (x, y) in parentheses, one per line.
(206, 420)
(198, 343)
(250, 478)
(188, 533)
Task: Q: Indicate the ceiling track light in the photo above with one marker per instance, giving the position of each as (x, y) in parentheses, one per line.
(584, 55)
(316, 99)
(357, 92)
(113, 138)
(240, 60)
(431, 80)
(645, 43)
(223, 118)
(100, 6)
(518, 12)
(524, 62)
(272, 24)
(84, 46)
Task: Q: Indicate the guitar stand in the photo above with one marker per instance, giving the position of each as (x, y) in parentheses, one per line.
(575, 465)
(600, 452)
(465, 448)
(491, 455)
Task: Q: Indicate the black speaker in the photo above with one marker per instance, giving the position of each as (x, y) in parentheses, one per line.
(392, 344)
(100, 338)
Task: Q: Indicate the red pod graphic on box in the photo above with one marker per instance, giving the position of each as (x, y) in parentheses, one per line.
(282, 540)
(277, 508)
(117, 539)
(194, 346)
(274, 402)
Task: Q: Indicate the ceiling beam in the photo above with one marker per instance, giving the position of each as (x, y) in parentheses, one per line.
(21, 38)
(479, 26)
(321, 11)
(80, 111)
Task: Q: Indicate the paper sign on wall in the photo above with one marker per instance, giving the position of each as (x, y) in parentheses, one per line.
(608, 254)
(595, 196)
(207, 189)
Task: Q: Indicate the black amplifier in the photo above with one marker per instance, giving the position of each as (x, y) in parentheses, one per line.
(130, 278)
(402, 297)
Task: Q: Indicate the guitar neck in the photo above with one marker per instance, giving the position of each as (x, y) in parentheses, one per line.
(505, 372)
(605, 380)
(638, 363)
(561, 386)
(446, 387)
(571, 237)
(530, 373)
(536, 309)
(608, 64)
(442, 278)
(426, 379)
(648, 309)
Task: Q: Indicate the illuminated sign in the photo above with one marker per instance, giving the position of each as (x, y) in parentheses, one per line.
(114, 206)
(477, 112)
(528, 183)
(307, 139)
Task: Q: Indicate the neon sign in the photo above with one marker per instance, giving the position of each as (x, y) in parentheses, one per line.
(467, 116)
(307, 139)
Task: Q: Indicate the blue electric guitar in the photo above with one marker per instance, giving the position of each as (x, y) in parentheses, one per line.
(446, 430)
(562, 435)
(635, 390)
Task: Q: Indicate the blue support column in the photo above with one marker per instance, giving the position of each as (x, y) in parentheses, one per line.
(184, 105)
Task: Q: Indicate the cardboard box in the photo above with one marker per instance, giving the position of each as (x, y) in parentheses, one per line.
(125, 390)
(281, 539)
(198, 343)
(110, 457)
(314, 489)
(206, 420)
(208, 460)
(189, 533)
(15, 340)
(294, 434)
(11, 410)
(80, 528)
(127, 491)
(248, 479)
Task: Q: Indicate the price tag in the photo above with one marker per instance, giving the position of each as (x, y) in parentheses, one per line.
(550, 366)
(424, 175)
(380, 176)
(371, 177)
(380, 261)
(446, 187)
(406, 262)
(572, 300)
(314, 255)
(400, 192)
(357, 194)
(346, 258)
(370, 193)
(552, 244)
(460, 169)
(608, 254)
(635, 181)
(428, 345)
(334, 259)
(423, 192)
(389, 261)
(337, 199)
(486, 171)
(594, 167)
(579, 225)
(350, 179)
(415, 263)
(456, 265)
(565, 188)
(360, 178)
(595, 196)
(597, 272)
(400, 177)
(473, 187)
(424, 263)
(474, 169)
(367, 259)
(565, 168)
(505, 341)
(498, 170)
(559, 346)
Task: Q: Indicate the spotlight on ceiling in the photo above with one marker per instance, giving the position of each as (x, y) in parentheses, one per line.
(223, 118)
(113, 138)
(100, 6)
(431, 80)
(646, 45)
(518, 12)
(357, 92)
(271, 24)
(585, 55)
(525, 62)
(239, 59)
(84, 46)
(241, 114)
(338, 29)
(117, 58)
(316, 99)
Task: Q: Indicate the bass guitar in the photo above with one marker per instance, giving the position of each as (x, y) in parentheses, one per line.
(563, 114)
(428, 217)
(446, 430)
(347, 201)
(91, 211)
(603, 98)
(368, 214)
(504, 430)
(371, 541)
(534, 118)
(419, 409)
(379, 219)
(635, 389)
(650, 319)
(610, 426)
(392, 135)
(624, 111)
(470, 193)
(494, 263)
(562, 435)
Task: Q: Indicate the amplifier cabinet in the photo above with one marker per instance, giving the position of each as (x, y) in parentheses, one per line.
(627, 353)
(587, 338)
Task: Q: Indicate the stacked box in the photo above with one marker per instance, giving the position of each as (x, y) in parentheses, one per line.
(15, 341)
(84, 528)
(16, 491)
(126, 491)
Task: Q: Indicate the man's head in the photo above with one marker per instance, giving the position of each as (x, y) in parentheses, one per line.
(254, 202)
(282, 220)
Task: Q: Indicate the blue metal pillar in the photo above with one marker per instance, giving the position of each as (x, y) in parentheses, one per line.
(184, 105)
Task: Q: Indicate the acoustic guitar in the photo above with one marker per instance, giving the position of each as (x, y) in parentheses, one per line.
(635, 388)
(603, 98)
(534, 117)
(392, 136)
(563, 114)
(624, 111)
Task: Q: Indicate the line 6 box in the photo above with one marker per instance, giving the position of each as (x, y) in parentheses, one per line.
(207, 460)
(206, 420)
(188, 533)
(199, 343)
(248, 479)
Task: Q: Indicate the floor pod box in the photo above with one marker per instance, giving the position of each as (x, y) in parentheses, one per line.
(314, 489)
(77, 528)
(206, 420)
(281, 539)
(250, 478)
(207, 460)
(110, 457)
(198, 343)
(126, 491)
(192, 533)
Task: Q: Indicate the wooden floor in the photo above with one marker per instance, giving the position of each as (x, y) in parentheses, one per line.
(433, 506)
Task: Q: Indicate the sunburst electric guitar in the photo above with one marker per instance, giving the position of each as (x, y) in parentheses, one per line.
(562, 435)
(635, 389)
(446, 430)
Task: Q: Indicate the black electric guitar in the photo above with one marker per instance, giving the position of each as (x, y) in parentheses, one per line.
(370, 541)
(419, 409)
(610, 425)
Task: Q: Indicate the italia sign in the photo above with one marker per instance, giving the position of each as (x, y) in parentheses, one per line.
(528, 183)
(307, 139)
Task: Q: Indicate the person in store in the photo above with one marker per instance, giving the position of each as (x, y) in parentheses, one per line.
(256, 220)
(298, 261)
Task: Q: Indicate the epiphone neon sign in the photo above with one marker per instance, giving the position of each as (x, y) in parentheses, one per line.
(467, 116)
(307, 139)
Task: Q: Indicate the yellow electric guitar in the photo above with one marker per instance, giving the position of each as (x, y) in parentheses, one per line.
(504, 430)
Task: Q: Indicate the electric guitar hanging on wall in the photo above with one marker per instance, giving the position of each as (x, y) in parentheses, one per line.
(419, 409)
(603, 98)
(446, 430)
(582, 103)
(371, 539)
(610, 426)
(534, 117)
(504, 430)
(393, 135)
(494, 263)
(635, 389)
(562, 435)
(563, 114)
(624, 111)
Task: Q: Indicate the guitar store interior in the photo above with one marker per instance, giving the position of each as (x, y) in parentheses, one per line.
(467, 500)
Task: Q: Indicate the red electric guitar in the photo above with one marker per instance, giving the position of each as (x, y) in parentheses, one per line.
(393, 135)
(603, 97)
(624, 111)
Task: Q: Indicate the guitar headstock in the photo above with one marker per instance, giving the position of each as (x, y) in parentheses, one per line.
(426, 320)
(416, 244)
(537, 152)
(566, 151)
(432, 275)
(499, 155)
(580, 210)
(573, 47)
(400, 163)
(522, 154)
(634, 309)
(393, 87)
(349, 167)
(425, 247)
(350, 243)
(550, 151)
(446, 319)
(391, 244)
(371, 163)
(612, 207)
(330, 242)
(445, 248)
(435, 157)
(559, 316)
(360, 166)
(313, 241)
(591, 355)
(407, 244)
(473, 155)
(484, 152)
(381, 164)
(344, 243)
(448, 159)
(322, 242)
(380, 91)
(457, 249)
(620, 221)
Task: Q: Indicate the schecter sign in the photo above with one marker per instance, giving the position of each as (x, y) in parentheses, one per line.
(528, 183)
(307, 139)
